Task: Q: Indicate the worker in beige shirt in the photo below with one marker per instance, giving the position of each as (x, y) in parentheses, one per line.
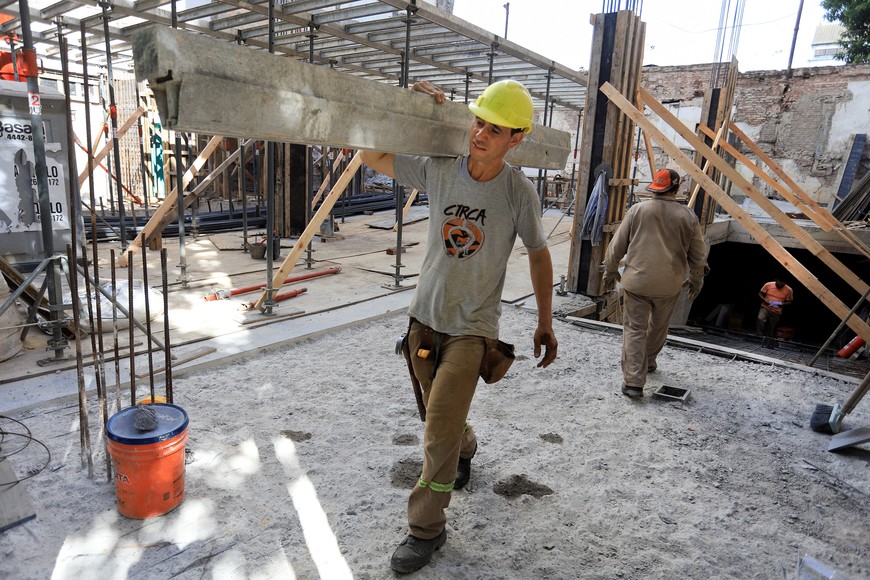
(664, 249)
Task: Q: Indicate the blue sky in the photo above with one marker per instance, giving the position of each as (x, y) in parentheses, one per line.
(678, 31)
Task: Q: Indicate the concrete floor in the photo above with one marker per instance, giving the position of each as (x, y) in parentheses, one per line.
(204, 333)
(212, 332)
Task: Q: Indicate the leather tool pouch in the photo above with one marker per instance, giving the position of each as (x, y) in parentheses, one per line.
(427, 348)
(497, 359)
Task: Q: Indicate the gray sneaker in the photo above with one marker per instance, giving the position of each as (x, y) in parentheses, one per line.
(414, 553)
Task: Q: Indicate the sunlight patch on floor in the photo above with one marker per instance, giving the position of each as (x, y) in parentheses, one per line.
(319, 537)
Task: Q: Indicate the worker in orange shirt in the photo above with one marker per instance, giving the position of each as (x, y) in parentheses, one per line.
(774, 295)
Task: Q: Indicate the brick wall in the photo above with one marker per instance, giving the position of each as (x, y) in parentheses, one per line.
(803, 123)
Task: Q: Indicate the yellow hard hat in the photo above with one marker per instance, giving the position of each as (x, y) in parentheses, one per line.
(506, 104)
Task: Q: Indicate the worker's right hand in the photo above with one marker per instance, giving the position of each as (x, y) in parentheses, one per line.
(428, 88)
(608, 278)
(544, 337)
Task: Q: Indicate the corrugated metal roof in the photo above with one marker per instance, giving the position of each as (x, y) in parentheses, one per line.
(828, 33)
(366, 38)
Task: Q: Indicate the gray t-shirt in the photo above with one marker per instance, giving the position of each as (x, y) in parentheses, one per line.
(472, 229)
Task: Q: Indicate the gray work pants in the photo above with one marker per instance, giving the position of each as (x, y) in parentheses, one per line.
(644, 331)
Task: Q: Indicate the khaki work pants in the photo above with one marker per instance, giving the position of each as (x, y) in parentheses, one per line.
(644, 331)
(447, 393)
(767, 322)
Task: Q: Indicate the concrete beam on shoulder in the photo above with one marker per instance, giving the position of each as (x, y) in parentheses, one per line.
(205, 85)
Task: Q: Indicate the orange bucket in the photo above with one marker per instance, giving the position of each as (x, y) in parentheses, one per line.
(148, 400)
(148, 465)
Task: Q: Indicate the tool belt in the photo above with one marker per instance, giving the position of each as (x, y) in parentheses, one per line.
(497, 359)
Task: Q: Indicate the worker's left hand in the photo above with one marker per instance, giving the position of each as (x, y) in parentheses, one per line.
(544, 336)
(428, 88)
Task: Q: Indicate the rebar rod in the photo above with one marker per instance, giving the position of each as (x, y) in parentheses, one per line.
(87, 456)
(115, 346)
(167, 349)
(97, 357)
(113, 117)
(130, 326)
(148, 321)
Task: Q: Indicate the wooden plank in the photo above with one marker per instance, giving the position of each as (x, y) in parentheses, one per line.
(809, 212)
(612, 129)
(773, 247)
(824, 213)
(313, 227)
(15, 506)
(338, 159)
(154, 224)
(716, 138)
(806, 240)
(631, 80)
(613, 141)
(717, 350)
(16, 279)
(122, 130)
(765, 158)
(200, 188)
(585, 158)
(650, 154)
(407, 208)
(780, 188)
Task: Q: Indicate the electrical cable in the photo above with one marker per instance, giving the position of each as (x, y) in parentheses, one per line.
(28, 436)
(789, 16)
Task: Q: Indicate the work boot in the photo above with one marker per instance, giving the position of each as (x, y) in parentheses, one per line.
(414, 553)
(633, 392)
(463, 473)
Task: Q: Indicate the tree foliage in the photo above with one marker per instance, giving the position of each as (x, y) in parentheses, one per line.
(854, 15)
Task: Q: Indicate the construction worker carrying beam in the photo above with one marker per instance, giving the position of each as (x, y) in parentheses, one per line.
(478, 205)
(664, 249)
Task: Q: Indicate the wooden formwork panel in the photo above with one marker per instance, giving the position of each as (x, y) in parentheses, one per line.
(607, 137)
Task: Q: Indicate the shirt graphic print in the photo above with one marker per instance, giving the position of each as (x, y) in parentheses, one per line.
(462, 231)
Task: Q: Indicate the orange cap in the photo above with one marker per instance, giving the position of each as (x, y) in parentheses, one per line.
(664, 181)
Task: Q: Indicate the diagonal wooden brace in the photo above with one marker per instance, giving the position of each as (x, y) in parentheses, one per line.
(802, 237)
(767, 241)
(122, 130)
(155, 224)
(313, 227)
